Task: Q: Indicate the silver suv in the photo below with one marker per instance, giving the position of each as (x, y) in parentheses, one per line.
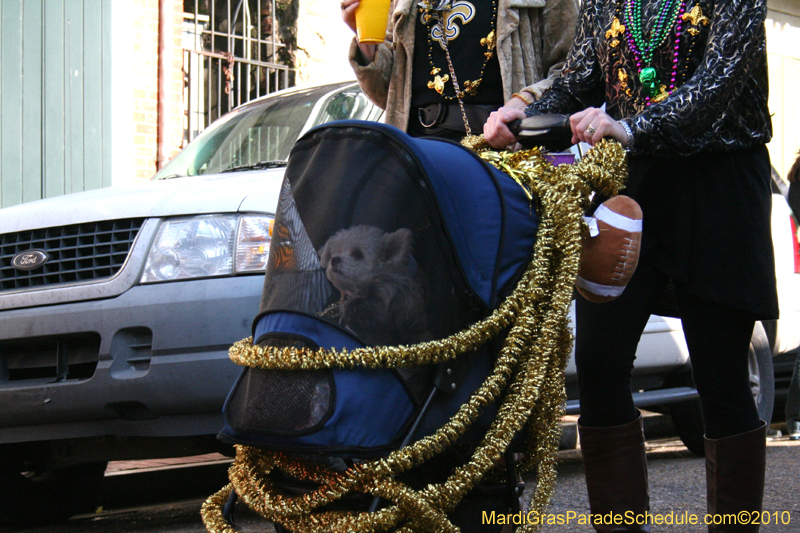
(118, 305)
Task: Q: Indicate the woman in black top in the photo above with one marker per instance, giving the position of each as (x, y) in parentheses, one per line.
(684, 85)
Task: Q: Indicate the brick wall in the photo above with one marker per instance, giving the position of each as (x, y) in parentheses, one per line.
(145, 86)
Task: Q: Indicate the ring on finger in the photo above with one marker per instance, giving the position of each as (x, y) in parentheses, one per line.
(343, 6)
(591, 129)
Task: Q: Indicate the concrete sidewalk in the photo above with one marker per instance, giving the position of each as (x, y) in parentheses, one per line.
(122, 467)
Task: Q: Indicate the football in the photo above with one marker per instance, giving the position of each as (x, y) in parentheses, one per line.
(611, 251)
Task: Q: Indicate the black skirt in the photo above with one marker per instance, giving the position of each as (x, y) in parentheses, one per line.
(707, 225)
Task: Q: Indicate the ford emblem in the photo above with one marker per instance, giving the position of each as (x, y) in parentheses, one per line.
(29, 259)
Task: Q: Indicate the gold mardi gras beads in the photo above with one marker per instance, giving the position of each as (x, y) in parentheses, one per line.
(527, 380)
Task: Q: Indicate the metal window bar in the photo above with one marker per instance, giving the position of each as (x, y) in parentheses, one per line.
(231, 56)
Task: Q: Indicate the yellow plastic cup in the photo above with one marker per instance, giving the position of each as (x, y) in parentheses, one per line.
(372, 17)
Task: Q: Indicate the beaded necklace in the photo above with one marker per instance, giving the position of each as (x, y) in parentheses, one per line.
(670, 13)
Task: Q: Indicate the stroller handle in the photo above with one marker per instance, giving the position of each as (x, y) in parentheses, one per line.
(549, 130)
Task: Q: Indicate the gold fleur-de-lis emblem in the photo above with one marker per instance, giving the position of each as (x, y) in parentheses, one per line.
(696, 17)
(490, 42)
(471, 87)
(438, 83)
(616, 30)
(448, 28)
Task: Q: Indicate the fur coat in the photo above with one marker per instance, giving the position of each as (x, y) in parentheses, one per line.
(533, 37)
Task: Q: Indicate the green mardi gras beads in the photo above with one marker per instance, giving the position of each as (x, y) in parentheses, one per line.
(668, 11)
(667, 14)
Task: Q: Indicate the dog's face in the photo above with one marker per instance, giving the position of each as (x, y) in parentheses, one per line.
(352, 256)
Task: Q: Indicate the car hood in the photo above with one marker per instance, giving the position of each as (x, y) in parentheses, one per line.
(250, 191)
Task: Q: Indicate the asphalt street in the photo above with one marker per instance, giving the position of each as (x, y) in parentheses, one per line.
(168, 499)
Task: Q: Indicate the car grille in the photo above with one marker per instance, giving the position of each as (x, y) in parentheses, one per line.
(81, 252)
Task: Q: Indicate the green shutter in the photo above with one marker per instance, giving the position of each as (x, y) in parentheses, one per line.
(55, 134)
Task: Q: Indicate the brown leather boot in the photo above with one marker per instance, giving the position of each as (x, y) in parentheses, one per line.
(615, 467)
(735, 478)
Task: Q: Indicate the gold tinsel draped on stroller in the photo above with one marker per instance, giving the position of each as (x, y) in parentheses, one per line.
(359, 194)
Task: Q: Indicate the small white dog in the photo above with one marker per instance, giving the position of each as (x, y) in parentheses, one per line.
(382, 301)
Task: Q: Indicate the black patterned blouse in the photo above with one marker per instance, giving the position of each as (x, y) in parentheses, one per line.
(711, 89)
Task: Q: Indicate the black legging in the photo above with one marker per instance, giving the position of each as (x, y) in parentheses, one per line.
(718, 338)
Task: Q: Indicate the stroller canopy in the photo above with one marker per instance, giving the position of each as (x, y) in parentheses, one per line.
(380, 239)
(473, 227)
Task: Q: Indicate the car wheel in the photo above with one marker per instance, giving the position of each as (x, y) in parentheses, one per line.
(49, 496)
(688, 416)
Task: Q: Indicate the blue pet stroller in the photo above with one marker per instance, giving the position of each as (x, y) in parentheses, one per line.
(405, 339)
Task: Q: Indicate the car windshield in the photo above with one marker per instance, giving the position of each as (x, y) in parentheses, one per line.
(266, 130)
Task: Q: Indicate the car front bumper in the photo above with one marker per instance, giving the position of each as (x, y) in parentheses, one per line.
(152, 361)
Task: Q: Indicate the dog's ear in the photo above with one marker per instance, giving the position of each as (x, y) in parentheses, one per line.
(325, 255)
(397, 246)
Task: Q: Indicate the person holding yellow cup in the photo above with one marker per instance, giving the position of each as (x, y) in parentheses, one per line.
(438, 69)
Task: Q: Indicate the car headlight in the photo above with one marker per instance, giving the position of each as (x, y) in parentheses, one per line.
(210, 245)
(252, 243)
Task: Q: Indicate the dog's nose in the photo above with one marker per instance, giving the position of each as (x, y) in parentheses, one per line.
(336, 260)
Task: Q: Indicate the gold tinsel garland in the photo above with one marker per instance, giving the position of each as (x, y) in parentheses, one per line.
(527, 380)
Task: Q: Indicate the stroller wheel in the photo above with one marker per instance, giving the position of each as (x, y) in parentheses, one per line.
(229, 509)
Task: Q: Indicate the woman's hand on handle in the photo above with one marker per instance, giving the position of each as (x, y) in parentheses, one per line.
(349, 17)
(496, 131)
(592, 124)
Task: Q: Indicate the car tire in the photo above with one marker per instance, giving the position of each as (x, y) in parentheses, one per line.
(50, 496)
(688, 416)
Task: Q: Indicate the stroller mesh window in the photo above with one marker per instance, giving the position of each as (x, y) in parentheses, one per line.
(357, 242)
(296, 280)
(285, 403)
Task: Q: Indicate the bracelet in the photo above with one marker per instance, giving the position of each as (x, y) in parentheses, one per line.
(628, 134)
(527, 101)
